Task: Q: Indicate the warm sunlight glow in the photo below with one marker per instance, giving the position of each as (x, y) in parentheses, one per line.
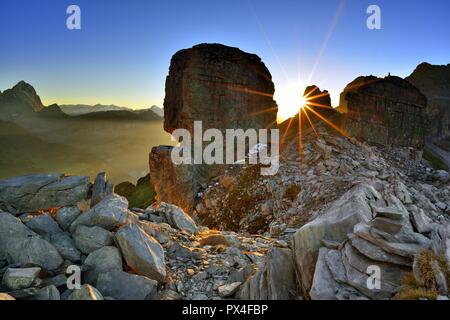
(289, 99)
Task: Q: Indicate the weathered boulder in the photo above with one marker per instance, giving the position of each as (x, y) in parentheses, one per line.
(16, 279)
(65, 246)
(109, 213)
(66, 215)
(224, 88)
(176, 217)
(101, 261)
(47, 293)
(40, 191)
(389, 111)
(22, 246)
(124, 286)
(333, 225)
(89, 239)
(228, 290)
(141, 252)
(43, 225)
(280, 274)
(86, 292)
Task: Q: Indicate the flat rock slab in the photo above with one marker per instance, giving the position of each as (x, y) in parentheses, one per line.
(41, 191)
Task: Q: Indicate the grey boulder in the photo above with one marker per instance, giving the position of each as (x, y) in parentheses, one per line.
(65, 216)
(141, 252)
(100, 261)
(124, 286)
(89, 239)
(109, 213)
(17, 279)
(22, 246)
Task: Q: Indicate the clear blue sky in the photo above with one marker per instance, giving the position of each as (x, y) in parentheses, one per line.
(123, 51)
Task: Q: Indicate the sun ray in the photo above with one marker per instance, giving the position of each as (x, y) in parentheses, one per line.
(335, 127)
(310, 122)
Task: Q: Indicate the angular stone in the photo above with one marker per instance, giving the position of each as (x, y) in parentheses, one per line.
(43, 225)
(47, 293)
(66, 246)
(280, 274)
(86, 292)
(407, 250)
(385, 224)
(333, 225)
(16, 279)
(100, 261)
(358, 274)
(22, 246)
(5, 296)
(89, 239)
(227, 290)
(376, 253)
(389, 212)
(421, 221)
(66, 215)
(142, 252)
(111, 212)
(41, 191)
(101, 189)
(124, 286)
(177, 218)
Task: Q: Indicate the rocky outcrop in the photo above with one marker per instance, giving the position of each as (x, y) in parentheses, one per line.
(221, 86)
(318, 107)
(172, 183)
(386, 111)
(434, 82)
(41, 191)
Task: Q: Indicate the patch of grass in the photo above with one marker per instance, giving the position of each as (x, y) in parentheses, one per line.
(435, 162)
(140, 196)
(416, 294)
(428, 288)
(292, 192)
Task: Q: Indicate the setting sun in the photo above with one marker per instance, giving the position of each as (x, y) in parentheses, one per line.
(290, 100)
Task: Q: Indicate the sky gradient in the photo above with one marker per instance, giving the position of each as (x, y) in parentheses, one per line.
(122, 53)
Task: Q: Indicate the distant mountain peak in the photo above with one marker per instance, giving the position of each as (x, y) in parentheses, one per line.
(20, 99)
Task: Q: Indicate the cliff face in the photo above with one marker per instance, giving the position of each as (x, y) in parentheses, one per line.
(387, 111)
(434, 82)
(224, 88)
